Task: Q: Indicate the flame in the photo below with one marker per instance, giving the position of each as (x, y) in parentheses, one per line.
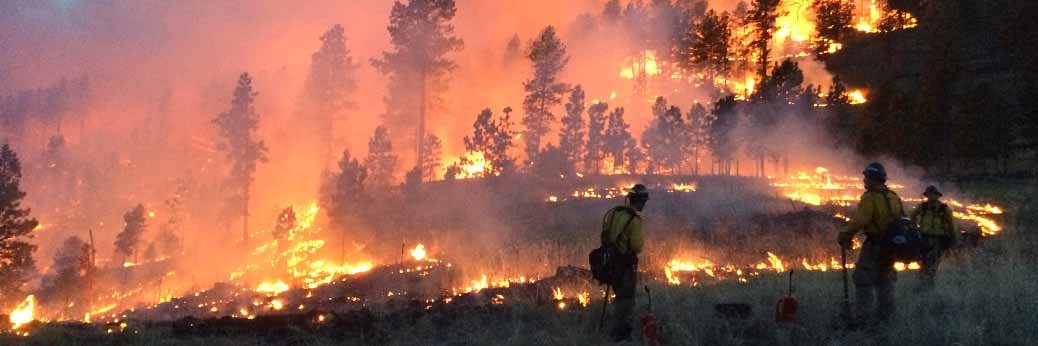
(643, 64)
(272, 288)
(556, 293)
(473, 165)
(23, 313)
(128, 264)
(857, 97)
(776, 263)
(418, 252)
(683, 187)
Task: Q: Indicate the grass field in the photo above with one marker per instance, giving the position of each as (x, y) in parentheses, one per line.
(987, 298)
(984, 296)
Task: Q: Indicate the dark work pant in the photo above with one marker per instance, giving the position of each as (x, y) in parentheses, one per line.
(931, 260)
(625, 287)
(874, 278)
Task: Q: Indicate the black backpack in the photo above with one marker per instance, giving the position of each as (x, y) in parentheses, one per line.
(606, 260)
(902, 240)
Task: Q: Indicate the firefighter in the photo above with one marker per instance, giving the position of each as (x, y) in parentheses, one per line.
(874, 274)
(935, 220)
(622, 226)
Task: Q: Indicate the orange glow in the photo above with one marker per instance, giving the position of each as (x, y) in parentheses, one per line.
(23, 313)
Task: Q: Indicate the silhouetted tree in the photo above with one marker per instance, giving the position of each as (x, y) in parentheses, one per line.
(712, 39)
(761, 17)
(418, 65)
(617, 142)
(493, 138)
(343, 193)
(543, 90)
(723, 145)
(433, 158)
(285, 223)
(237, 128)
(70, 276)
(595, 152)
(329, 88)
(381, 162)
(697, 133)
(664, 138)
(552, 164)
(513, 50)
(571, 137)
(16, 263)
(128, 242)
(833, 23)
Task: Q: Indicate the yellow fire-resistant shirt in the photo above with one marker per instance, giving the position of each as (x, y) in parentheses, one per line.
(628, 240)
(874, 215)
(937, 219)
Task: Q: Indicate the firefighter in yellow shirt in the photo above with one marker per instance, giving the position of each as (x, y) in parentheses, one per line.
(622, 226)
(874, 274)
(936, 222)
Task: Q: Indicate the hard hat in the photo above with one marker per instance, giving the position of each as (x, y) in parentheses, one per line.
(932, 190)
(638, 192)
(875, 171)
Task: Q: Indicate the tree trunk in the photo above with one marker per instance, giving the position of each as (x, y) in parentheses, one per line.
(245, 219)
(420, 139)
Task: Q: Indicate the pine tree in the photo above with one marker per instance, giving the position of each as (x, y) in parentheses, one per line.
(381, 162)
(543, 90)
(329, 87)
(783, 87)
(237, 128)
(571, 138)
(833, 18)
(433, 158)
(344, 194)
(128, 242)
(418, 65)
(494, 139)
(761, 17)
(16, 262)
(712, 40)
(71, 275)
(723, 145)
(697, 133)
(513, 50)
(617, 142)
(595, 152)
(664, 137)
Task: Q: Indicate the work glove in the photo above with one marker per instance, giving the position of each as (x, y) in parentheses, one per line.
(845, 240)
